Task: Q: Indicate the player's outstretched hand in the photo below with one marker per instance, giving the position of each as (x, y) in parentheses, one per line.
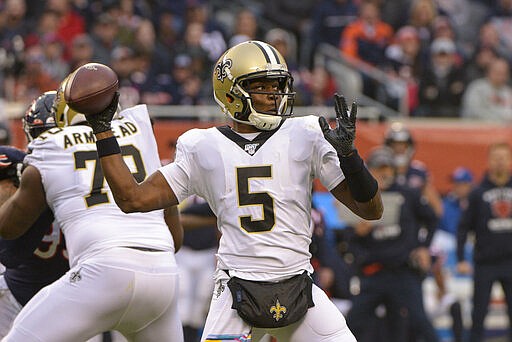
(342, 137)
(100, 122)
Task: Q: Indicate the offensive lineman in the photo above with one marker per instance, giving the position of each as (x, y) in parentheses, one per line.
(123, 272)
(38, 257)
(257, 178)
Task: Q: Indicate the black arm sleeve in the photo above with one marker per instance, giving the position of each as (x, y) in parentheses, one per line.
(363, 186)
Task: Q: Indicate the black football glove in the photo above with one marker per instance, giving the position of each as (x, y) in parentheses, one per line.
(342, 137)
(101, 122)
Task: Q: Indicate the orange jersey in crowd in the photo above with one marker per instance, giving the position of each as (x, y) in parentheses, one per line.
(359, 31)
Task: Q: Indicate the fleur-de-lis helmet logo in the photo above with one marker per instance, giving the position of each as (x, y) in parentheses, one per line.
(221, 69)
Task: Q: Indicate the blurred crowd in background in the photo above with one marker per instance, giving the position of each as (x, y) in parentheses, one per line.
(453, 55)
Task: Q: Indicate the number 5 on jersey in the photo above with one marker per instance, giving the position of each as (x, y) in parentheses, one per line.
(263, 199)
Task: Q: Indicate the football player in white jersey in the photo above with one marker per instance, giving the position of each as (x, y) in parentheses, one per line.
(123, 272)
(257, 178)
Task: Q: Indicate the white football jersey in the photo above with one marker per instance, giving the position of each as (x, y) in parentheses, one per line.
(260, 190)
(79, 195)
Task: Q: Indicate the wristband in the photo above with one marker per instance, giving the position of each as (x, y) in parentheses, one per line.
(107, 146)
(360, 182)
(351, 163)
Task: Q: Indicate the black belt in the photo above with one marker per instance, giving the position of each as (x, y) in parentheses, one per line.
(145, 249)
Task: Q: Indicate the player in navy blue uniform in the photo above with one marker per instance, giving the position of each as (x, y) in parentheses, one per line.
(409, 171)
(32, 261)
(391, 258)
(489, 216)
(38, 257)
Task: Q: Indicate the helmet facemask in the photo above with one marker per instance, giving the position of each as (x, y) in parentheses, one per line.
(266, 118)
(282, 94)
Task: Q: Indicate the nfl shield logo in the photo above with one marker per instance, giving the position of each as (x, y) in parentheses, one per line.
(251, 148)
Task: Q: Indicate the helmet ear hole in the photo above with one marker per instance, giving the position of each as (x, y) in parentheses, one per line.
(230, 98)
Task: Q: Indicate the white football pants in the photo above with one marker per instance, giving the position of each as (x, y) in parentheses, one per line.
(123, 289)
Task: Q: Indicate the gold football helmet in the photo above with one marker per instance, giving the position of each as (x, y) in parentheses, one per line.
(243, 63)
(64, 115)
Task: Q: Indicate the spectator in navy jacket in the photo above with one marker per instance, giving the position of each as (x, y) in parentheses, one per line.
(489, 217)
(392, 258)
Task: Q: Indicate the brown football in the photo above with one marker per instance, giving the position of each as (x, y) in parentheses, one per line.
(91, 88)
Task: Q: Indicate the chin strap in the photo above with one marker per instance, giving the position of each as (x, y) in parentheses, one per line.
(269, 123)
